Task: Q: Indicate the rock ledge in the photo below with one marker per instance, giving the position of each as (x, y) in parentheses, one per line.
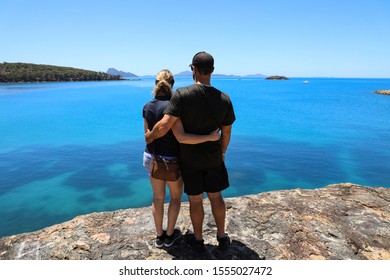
(343, 221)
(385, 92)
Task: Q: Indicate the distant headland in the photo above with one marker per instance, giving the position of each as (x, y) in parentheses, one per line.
(113, 71)
(187, 74)
(29, 72)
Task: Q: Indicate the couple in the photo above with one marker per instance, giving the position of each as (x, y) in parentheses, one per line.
(193, 116)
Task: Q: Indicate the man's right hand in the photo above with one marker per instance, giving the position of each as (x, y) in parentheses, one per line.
(214, 135)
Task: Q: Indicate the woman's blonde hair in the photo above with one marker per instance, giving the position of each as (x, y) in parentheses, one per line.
(164, 83)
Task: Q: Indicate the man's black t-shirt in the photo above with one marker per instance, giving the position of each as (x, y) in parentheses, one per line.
(202, 109)
(153, 111)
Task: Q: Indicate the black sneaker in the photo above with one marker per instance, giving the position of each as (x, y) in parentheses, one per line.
(223, 241)
(169, 240)
(159, 241)
(197, 245)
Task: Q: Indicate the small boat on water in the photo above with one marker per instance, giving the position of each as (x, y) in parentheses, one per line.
(305, 81)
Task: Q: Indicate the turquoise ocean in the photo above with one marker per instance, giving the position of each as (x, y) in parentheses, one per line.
(68, 149)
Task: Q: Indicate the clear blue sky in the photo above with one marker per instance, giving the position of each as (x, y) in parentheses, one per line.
(300, 38)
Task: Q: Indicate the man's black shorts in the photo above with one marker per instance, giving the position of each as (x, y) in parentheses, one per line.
(210, 179)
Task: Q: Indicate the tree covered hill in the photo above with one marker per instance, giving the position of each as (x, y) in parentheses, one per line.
(28, 72)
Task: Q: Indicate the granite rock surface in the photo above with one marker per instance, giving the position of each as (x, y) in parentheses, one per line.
(385, 92)
(342, 221)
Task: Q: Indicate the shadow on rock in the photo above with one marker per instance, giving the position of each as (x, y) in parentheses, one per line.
(235, 251)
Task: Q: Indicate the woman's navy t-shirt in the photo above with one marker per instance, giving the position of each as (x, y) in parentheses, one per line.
(153, 111)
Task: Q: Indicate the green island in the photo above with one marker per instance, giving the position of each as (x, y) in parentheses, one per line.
(276, 78)
(29, 72)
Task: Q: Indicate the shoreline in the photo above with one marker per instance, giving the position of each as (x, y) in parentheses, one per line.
(46, 82)
(141, 78)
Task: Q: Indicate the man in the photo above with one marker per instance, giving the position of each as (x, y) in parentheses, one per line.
(202, 109)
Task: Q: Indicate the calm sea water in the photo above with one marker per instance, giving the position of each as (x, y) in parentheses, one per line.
(73, 148)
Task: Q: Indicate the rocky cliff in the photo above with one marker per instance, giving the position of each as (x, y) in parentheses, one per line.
(342, 221)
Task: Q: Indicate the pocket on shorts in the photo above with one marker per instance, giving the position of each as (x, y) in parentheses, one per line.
(148, 162)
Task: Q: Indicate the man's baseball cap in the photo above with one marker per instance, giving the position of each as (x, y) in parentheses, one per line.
(202, 60)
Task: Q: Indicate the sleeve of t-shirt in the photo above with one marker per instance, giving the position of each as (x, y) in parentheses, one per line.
(174, 105)
(144, 111)
(230, 116)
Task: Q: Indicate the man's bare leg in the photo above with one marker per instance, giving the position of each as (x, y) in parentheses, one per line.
(219, 211)
(197, 214)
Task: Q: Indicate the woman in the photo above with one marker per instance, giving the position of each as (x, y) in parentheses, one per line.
(168, 148)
